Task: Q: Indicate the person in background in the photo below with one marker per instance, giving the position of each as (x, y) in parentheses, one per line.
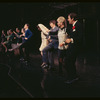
(3, 36)
(19, 34)
(2, 39)
(10, 39)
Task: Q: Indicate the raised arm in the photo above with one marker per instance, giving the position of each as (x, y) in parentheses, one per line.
(44, 29)
(16, 34)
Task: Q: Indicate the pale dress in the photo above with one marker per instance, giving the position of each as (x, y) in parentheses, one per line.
(44, 41)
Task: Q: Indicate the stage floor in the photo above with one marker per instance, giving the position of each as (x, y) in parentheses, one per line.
(19, 80)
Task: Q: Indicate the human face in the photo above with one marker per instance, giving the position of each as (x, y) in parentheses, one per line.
(22, 30)
(51, 25)
(59, 24)
(70, 20)
(2, 31)
(39, 29)
(17, 30)
(25, 26)
(8, 32)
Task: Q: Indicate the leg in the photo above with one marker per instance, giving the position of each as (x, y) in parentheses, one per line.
(4, 47)
(45, 53)
(50, 58)
(61, 54)
(21, 51)
(70, 65)
(27, 53)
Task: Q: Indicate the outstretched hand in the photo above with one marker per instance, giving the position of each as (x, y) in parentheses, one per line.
(68, 40)
(14, 32)
(48, 31)
(61, 44)
(49, 38)
(26, 38)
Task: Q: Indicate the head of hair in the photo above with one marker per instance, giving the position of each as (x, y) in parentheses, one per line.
(27, 24)
(73, 16)
(62, 19)
(3, 31)
(23, 29)
(52, 21)
(38, 28)
(17, 28)
(11, 30)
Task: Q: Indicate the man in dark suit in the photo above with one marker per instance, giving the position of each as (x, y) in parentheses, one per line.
(74, 41)
(25, 41)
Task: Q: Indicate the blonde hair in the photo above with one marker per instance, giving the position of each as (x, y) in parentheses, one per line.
(62, 19)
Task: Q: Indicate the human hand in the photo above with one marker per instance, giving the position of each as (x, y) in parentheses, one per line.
(48, 31)
(6, 50)
(26, 38)
(68, 40)
(61, 44)
(14, 32)
(41, 53)
(49, 38)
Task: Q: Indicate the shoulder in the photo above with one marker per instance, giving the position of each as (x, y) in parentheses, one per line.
(28, 31)
(56, 28)
(78, 24)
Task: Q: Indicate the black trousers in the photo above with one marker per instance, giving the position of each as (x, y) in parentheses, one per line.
(51, 58)
(26, 56)
(61, 56)
(70, 59)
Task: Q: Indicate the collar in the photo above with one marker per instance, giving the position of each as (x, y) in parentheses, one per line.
(75, 22)
(26, 29)
(62, 28)
(53, 27)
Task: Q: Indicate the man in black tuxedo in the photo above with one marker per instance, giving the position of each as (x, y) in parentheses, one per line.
(74, 41)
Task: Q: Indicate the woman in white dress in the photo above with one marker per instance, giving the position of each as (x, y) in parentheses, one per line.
(44, 33)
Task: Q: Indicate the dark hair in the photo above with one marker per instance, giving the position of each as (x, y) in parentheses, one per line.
(23, 29)
(52, 21)
(27, 24)
(17, 28)
(73, 15)
(11, 30)
(38, 28)
(3, 30)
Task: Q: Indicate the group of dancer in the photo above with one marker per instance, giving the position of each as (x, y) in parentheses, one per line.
(66, 40)
(17, 39)
(62, 38)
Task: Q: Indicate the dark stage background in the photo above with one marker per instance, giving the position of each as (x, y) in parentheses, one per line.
(20, 79)
(14, 14)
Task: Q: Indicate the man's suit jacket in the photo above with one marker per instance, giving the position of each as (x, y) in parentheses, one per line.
(76, 34)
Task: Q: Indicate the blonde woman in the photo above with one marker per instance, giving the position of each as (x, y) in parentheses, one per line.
(62, 36)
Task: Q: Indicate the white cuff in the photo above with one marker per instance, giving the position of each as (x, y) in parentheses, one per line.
(64, 42)
(72, 41)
